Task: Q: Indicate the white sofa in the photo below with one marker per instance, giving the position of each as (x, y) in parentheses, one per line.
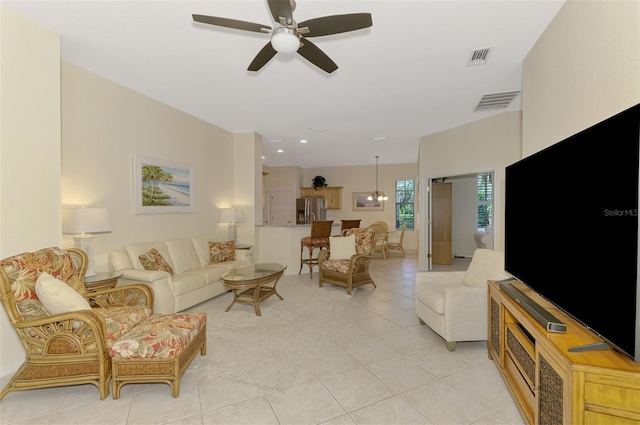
(194, 280)
(454, 304)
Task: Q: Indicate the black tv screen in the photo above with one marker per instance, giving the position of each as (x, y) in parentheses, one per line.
(571, 227)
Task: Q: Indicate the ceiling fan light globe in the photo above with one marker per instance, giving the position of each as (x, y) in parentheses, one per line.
(284, 40)
(369, 198)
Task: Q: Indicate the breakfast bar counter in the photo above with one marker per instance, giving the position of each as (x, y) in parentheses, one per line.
(281, 244)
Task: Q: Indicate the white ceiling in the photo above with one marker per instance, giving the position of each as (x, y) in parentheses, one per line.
(403, 78)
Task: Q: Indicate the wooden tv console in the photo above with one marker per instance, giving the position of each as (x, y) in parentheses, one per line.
(550, 384)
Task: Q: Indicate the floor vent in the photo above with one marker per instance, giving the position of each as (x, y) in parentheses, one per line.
(479, 56)
(496, 100)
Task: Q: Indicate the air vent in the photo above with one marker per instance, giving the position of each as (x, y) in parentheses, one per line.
(276, 141)
(479, 56)
(496, 100)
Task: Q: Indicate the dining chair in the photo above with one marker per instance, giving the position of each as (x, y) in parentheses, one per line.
(397, 243)
(382, 239)
(349, 224)
(319, 238)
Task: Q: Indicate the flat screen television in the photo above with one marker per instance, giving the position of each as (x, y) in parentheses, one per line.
(571, 227)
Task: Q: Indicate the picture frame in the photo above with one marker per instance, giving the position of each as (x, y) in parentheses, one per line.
(361, 203)
(162, 187)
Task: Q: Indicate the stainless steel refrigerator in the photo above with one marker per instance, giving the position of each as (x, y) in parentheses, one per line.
(310, 209)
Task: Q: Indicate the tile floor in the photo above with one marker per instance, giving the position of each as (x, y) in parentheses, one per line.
(379, 366)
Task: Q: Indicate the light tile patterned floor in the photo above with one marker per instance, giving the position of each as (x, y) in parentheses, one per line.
(378, 366)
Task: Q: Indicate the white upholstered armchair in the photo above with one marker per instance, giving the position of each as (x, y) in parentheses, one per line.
(454, 304)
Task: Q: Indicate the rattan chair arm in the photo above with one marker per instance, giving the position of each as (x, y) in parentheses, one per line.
(323, 255)
(85, 328)
(139, 294)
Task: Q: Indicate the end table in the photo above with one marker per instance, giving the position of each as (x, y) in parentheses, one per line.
(102, 280)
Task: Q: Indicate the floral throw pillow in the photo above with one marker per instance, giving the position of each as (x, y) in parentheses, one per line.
(221, 251)
(153, 260)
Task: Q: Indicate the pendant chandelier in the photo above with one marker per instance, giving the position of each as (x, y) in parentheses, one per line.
(377, 195)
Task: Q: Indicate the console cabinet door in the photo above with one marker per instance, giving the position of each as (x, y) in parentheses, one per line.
(553, 393)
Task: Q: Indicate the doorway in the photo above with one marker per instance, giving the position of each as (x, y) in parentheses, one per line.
(456, 209)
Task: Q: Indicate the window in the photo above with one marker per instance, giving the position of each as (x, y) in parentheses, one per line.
(405, 198)
(485, 200)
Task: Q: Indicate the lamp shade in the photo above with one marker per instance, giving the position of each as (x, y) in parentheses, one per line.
(85, 220)
(232, 215)
(284, 40)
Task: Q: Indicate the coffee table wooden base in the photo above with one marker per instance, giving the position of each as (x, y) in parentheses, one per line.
(253, 284)
(253, 296)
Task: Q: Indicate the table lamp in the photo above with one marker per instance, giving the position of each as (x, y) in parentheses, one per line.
(81, 222)
(232, 216)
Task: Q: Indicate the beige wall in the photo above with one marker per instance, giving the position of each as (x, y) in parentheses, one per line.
(481, 146)
(583, 69)
(104, 125)
(30, 215)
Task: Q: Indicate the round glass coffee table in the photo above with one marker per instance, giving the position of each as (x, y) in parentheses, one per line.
(253, 284)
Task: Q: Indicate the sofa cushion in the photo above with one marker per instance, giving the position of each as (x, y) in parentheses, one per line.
(119, 260)
(136, 249)
(57, 297)
(201, 244)
(220, 252)
(188, 281)
(153, 261)
(183, 254)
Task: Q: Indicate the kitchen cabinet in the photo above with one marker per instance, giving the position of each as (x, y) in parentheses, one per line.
(331, 194)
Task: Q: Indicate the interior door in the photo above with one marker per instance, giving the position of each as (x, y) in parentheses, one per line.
(441, 201)
(282, 208)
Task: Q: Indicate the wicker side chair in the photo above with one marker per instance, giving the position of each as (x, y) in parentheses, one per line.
(69, 348)
(353, 272)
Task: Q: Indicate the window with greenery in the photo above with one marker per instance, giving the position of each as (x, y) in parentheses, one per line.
(485, 200)
(405, 198)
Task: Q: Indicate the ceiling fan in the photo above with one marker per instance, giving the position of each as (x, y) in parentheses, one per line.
(288, 36)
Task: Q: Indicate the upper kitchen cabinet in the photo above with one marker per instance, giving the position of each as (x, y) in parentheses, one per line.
(331, 195)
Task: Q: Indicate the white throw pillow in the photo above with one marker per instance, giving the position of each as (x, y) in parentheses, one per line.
(342, 247)
(57, 297)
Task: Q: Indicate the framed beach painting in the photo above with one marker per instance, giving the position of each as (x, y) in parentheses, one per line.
(361, 203)
(161, 187)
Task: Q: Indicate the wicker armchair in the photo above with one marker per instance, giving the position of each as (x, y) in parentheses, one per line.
(353, 272)
(69, 348)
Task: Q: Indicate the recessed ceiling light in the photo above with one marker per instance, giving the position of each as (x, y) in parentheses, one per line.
(303, 141)
(263, 157)
(280, 151)
(380, 138)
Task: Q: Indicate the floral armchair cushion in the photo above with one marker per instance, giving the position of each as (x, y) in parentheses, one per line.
(365, 240)
(24, 269)
(161, 336)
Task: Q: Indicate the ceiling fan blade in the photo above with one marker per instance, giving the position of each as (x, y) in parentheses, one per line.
(336, 24)
(313, 54)
(262, 57)
(281, 9)
(231, 23)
